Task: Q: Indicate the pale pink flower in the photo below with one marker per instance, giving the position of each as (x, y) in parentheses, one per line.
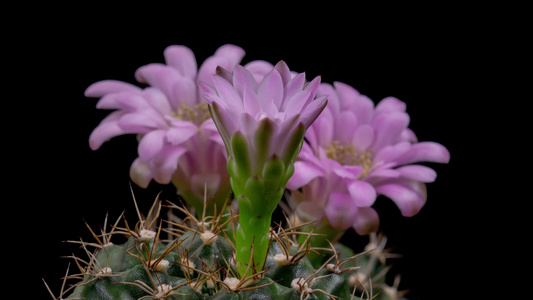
(178, 141)
(355, 152)
(269, 111)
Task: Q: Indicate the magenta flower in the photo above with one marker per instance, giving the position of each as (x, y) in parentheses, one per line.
(262, 120)
(178, 141)
(355, 152)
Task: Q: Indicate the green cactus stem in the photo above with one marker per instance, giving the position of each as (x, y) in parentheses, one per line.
(197, 260)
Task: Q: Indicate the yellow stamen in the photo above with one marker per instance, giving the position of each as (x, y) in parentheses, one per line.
(346, 155)
(197, 114)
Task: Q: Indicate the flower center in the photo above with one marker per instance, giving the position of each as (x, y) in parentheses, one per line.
(197, 114)
(346, 155)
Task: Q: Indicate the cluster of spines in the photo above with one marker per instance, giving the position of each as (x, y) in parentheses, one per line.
(202, 255)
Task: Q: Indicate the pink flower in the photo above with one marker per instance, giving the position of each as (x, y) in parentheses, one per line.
(178, 141)
(355, 152)
(269, 112)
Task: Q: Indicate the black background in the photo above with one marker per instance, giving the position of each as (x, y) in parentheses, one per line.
(431, 60)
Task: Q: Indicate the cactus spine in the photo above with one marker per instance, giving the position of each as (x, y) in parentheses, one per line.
(197, 261)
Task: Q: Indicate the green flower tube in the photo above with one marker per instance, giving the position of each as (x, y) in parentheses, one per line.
(258, 196)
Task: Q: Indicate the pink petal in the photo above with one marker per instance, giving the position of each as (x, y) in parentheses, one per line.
(286, 127)
(346, 94)
(151, 144)
(183, 90)
(363, 137)
(283, 71)
(363, 193)
(251, 102)
(141, 123)
(243, 79)
(309, 211)
(182, 59)
(166, 163)
(313, 110)
(218, 139)
(107, 129)
(390, 104)
(425, 152)
(363, 107)
(140, 173)
(207, 91)
(348, 172)
(231, 53)
(410, 196)
(345, 123)
(391, 153)
(366, 221)
(227, 94)
(270, 91)
(132, 101)
(294, 86)
(409, 135)
(313, 85)
(388, 128)
(157, 100)
(340, 210)
(304, 172)
(178, 135)
(109, 101)
(224, 121)
(334, 102)
(418, 173)
(296, 103)
(227, 56)
(307, 154)
(104, 87)
(383, 173)
(209, 129)
(157, 75)
(311, 135)
(103, 133)
(259, 69)
(324, 129)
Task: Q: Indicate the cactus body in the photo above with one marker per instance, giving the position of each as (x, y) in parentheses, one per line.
(199, 263)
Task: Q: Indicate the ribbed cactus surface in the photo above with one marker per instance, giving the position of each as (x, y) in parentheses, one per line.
(191, 258)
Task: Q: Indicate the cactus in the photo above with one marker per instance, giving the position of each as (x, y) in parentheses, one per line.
(260, 115)
(196, 260)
